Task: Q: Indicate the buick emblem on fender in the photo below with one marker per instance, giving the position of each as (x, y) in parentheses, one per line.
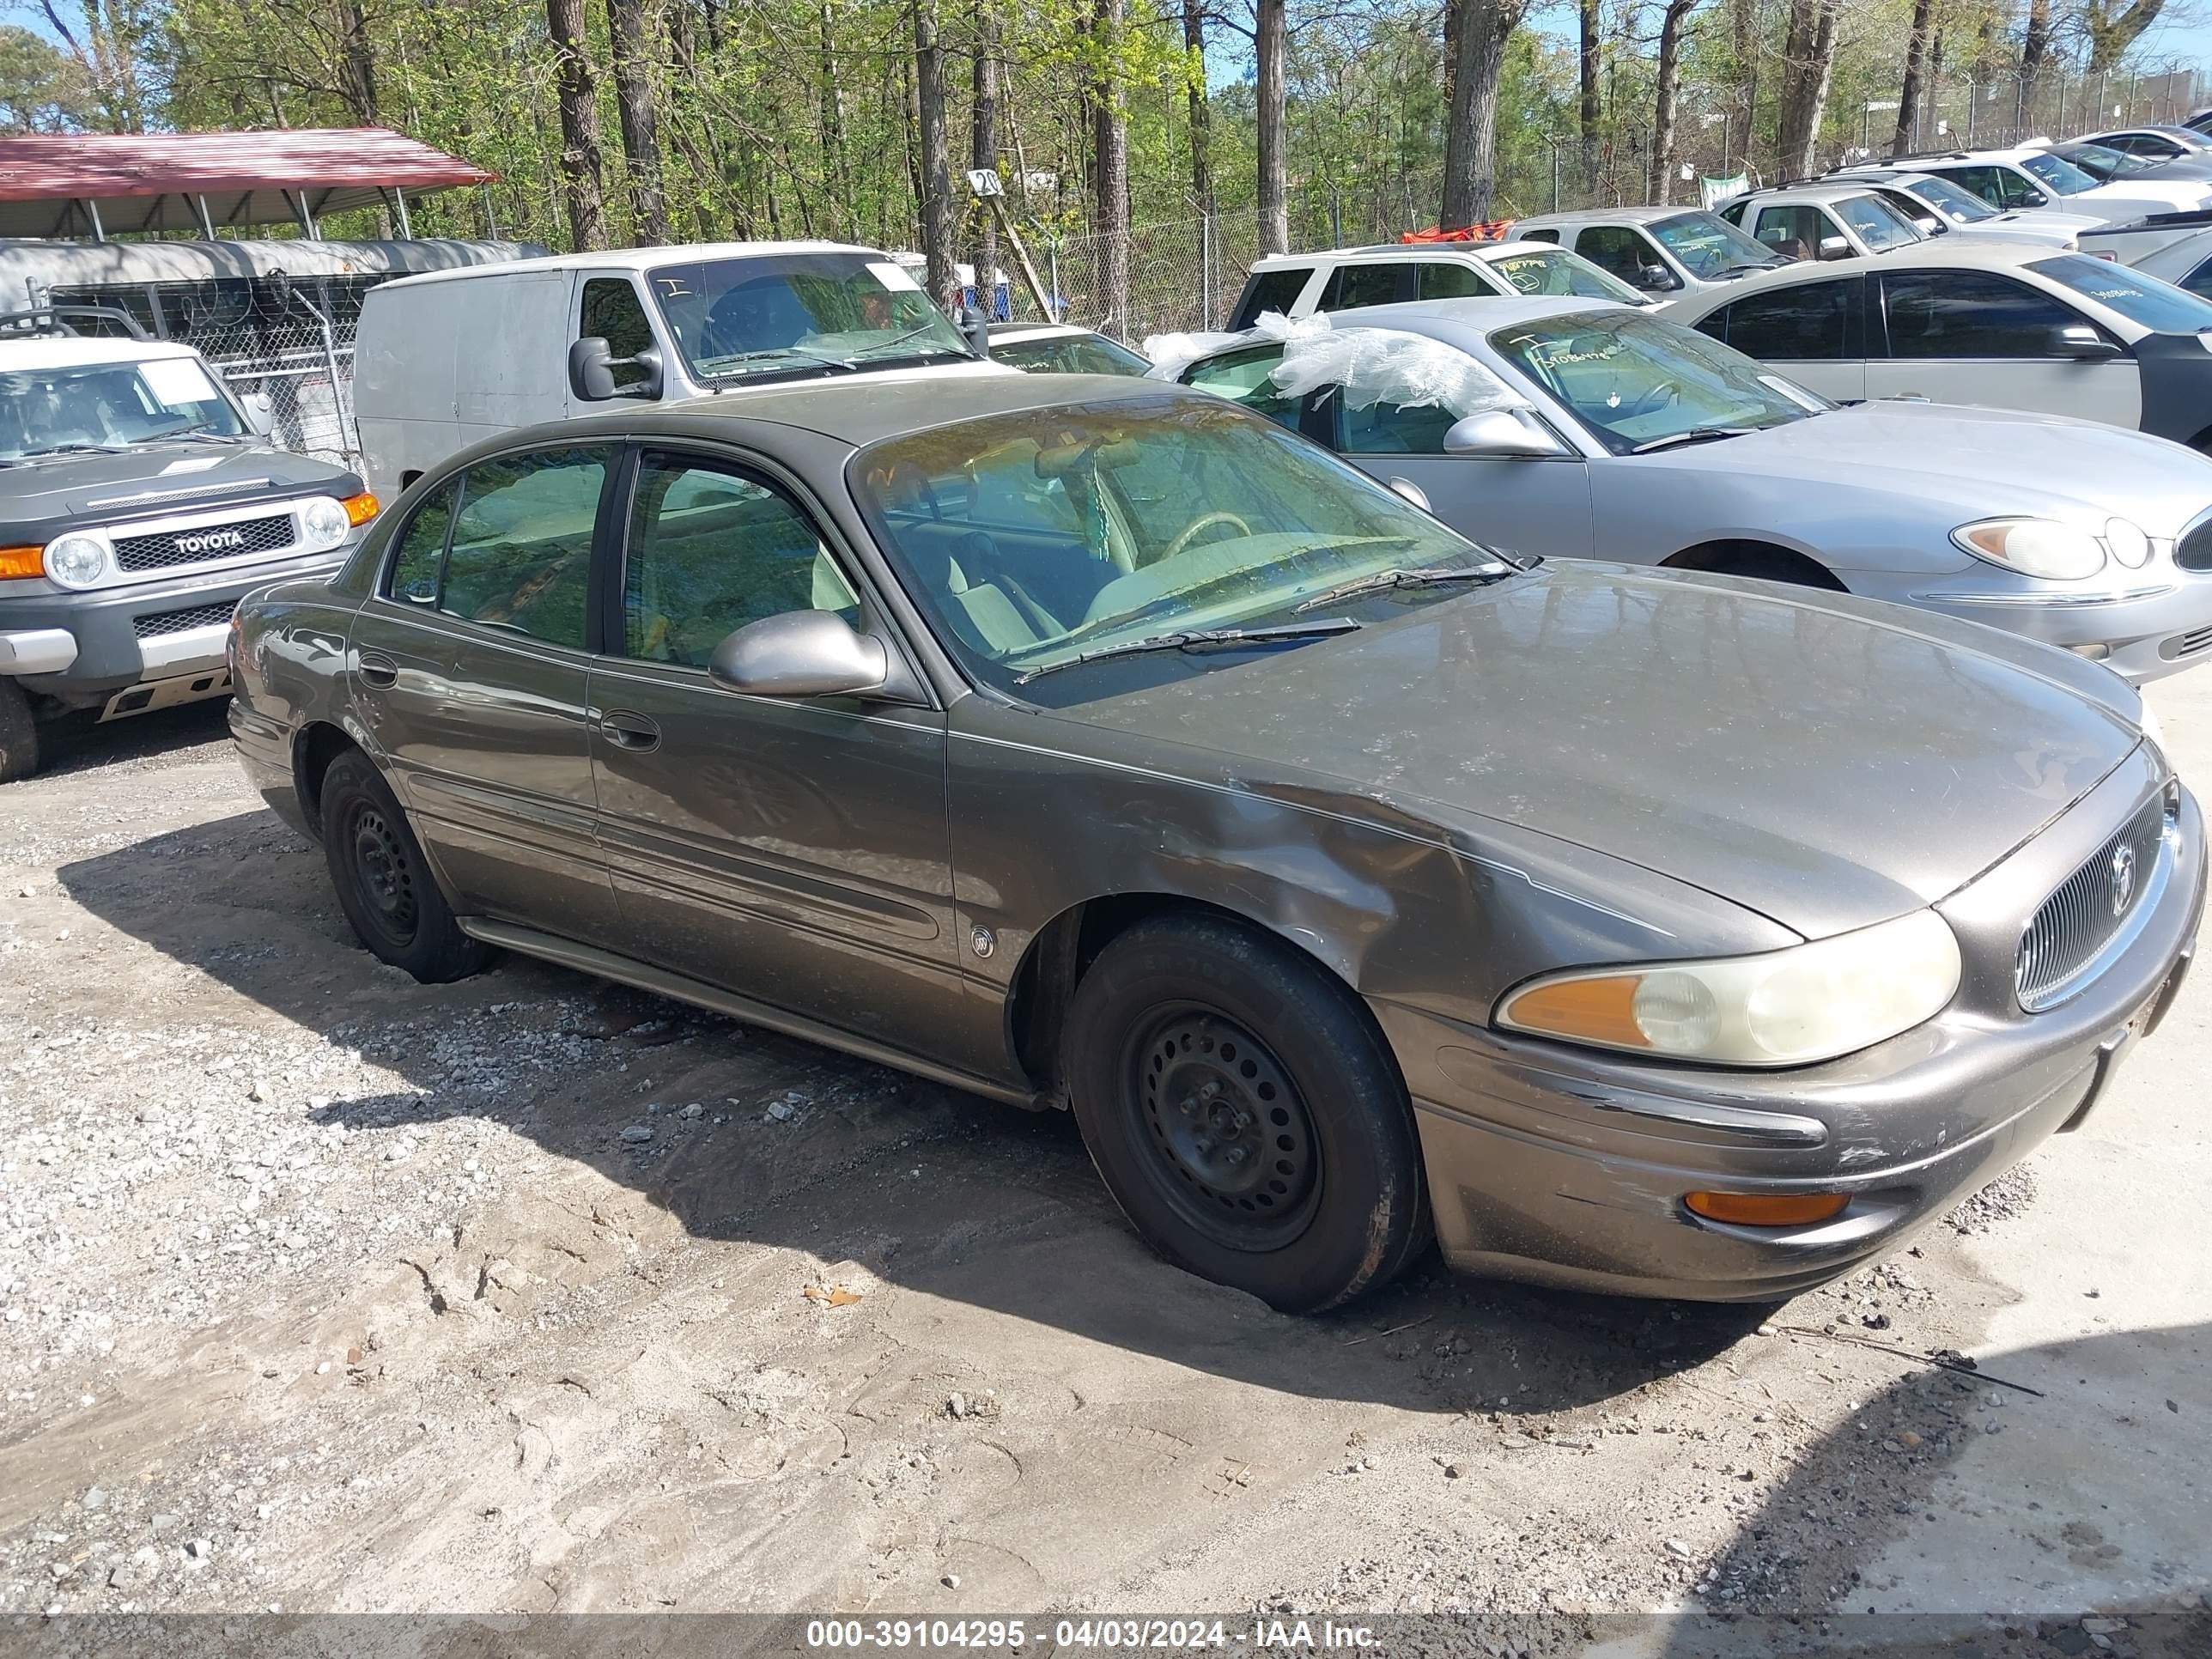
(2123, 878)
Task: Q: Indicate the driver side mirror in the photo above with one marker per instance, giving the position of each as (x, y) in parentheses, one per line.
(1499, 434)
(800, 654)
(592, 368)
(1835, 248)
(260, 412)
(2082, 343)
(1656, 279)
(975, 328)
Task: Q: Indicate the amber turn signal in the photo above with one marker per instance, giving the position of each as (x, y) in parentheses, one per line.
(1767, 1209)
(360, 509)
(18, 563)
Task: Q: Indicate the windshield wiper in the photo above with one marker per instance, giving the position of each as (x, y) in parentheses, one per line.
(1199, 639)
(876, 350)
(1381, 582)
(1696, 435)
(722, 365)
(78, 449)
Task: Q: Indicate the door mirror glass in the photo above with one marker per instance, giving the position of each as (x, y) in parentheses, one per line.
(800, 654)
(1835, 248)
(591, 372)
(1500, 435)
(2081, 342)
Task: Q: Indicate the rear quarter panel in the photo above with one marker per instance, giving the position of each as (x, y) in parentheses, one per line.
(288, 665)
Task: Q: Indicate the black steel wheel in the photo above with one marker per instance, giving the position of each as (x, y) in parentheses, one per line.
(384, 882)
(1245, 1112)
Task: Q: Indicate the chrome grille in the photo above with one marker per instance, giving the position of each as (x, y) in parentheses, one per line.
(2194, 551)
(2186, 645)
(2066, 936)
(197, 543)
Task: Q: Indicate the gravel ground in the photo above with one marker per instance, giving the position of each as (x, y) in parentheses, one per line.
(320, 1289)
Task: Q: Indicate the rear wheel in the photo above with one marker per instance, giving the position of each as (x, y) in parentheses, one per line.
(1245, 1113)
(384, 882)
(19, 734)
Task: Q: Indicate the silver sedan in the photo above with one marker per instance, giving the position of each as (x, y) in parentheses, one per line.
(1581, 429)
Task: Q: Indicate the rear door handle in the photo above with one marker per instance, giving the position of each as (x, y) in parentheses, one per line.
(378, 670)
(633, 731)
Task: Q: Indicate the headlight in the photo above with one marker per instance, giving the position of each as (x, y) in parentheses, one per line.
(1783, 1008)
(2127, 543)
(75, 561)
(2034, 547)
(323, 522)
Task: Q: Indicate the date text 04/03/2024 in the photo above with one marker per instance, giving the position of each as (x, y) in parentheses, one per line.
(1011, 1635)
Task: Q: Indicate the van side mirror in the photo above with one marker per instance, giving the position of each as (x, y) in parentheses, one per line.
(1835, 248)
(1499, 434)
(260, 412)
(2082, 343)
(1656, 279)
(800, 654)
(592, 368)
(975, 328)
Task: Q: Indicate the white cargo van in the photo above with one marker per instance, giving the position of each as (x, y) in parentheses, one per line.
(446, 359)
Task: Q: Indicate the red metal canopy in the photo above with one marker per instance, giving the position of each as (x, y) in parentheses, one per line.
(95, 183)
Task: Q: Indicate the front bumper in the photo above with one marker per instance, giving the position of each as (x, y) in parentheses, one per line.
(82, 648)
(2157, 622)
(1568, 1167)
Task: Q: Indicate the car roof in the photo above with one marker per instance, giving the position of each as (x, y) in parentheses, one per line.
(861, 414)
(1641, 215)
(632, 258)
(1387, 251)
(71, 351)
(1961, 252)
(1837, 192)
(1444, 319)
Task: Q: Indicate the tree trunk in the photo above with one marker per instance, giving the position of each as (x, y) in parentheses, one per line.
(1201, 110)
(1743, 36)
(2113, 31)
(1271, 43)
(983, 153)
(1908, 94)
(359, 65)
(583, 177)
(2034, 49)
(1661, 183)
(833, 122)
(1589, 50)
(1110, 171)
(630, 30)
(1809, 64)
(1471, 139)
(942, 280)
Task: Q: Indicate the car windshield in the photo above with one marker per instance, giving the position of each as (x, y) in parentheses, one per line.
(1961, 207)
(43, 411)
(1534, 269)
(1876, 223)
(2055, 171)
(788, 314)
(1710, 246)
(1070, 354)
(1034, 537)
(1635, 381)
(2101, 162)
(2138, 297)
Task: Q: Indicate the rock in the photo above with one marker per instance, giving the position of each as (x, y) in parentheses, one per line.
(60, 1570)
(1908, 1440)
(2104, 1626)
(1455, 1471)
(636, 1134)
(94, 1498)
(1874, 1322)
(258, 1091)
(161, 1523)
(950, 1581)
(199, 1549)
(1677, 1549)
(958, 1404)
(694, 1110)
(781, 1110)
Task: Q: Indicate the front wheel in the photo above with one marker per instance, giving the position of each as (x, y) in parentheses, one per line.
(1245, 1113)
(19, 734)
(384, 882)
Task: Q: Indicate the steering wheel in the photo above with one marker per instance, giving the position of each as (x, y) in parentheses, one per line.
(1203, 521)
(1665, 395)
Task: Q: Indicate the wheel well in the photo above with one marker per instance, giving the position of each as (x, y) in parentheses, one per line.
(1062, 952)
(316, 747)
(1750, 558)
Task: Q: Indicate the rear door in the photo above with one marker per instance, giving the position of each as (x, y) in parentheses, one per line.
(791, 850)
(470, 673)
(1813, 333)
(1978, 336)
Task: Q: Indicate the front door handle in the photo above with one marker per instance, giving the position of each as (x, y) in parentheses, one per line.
(378, 670)
(633, 731)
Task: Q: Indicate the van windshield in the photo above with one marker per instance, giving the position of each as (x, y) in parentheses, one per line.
(783, 315)
(80, 406)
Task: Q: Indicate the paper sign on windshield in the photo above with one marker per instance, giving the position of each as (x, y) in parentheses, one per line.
(894, 277)
(177, 381)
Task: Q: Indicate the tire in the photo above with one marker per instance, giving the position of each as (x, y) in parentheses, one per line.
(19, 734)
(384, 882)
(1327, 1201)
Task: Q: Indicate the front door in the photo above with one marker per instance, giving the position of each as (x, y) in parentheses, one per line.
(791, 850)
(470, 673)
(1975, 337)
(1809, 332)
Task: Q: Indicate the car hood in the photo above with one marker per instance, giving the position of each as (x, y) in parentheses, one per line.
(1968, 462)
(2045, 219)
(2145, 198)
(1824, 761)
(41, 498)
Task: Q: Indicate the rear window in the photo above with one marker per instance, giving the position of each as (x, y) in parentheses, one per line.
(1269, 290)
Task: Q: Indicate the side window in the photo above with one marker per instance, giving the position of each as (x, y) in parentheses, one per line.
(1807, 320)
(2019, 192)
(521, 554)
(1392, 429)
(1734, 211)
(2199, 281)
(711, 549)
(1243, 377)
(612, 311)
(1269, 290)
(1367, 285)
(1968, 313)
(1981, 181)
(1615, 248)
(1446, 280)
(1547, 235)
(420, 557)
(1794, 231)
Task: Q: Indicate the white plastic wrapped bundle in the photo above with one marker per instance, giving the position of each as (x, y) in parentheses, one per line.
(1382, 365)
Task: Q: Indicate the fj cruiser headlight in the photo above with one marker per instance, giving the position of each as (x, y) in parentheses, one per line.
(323, 524)
(1790, 1007)
(2034, 547)
(75, 561)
